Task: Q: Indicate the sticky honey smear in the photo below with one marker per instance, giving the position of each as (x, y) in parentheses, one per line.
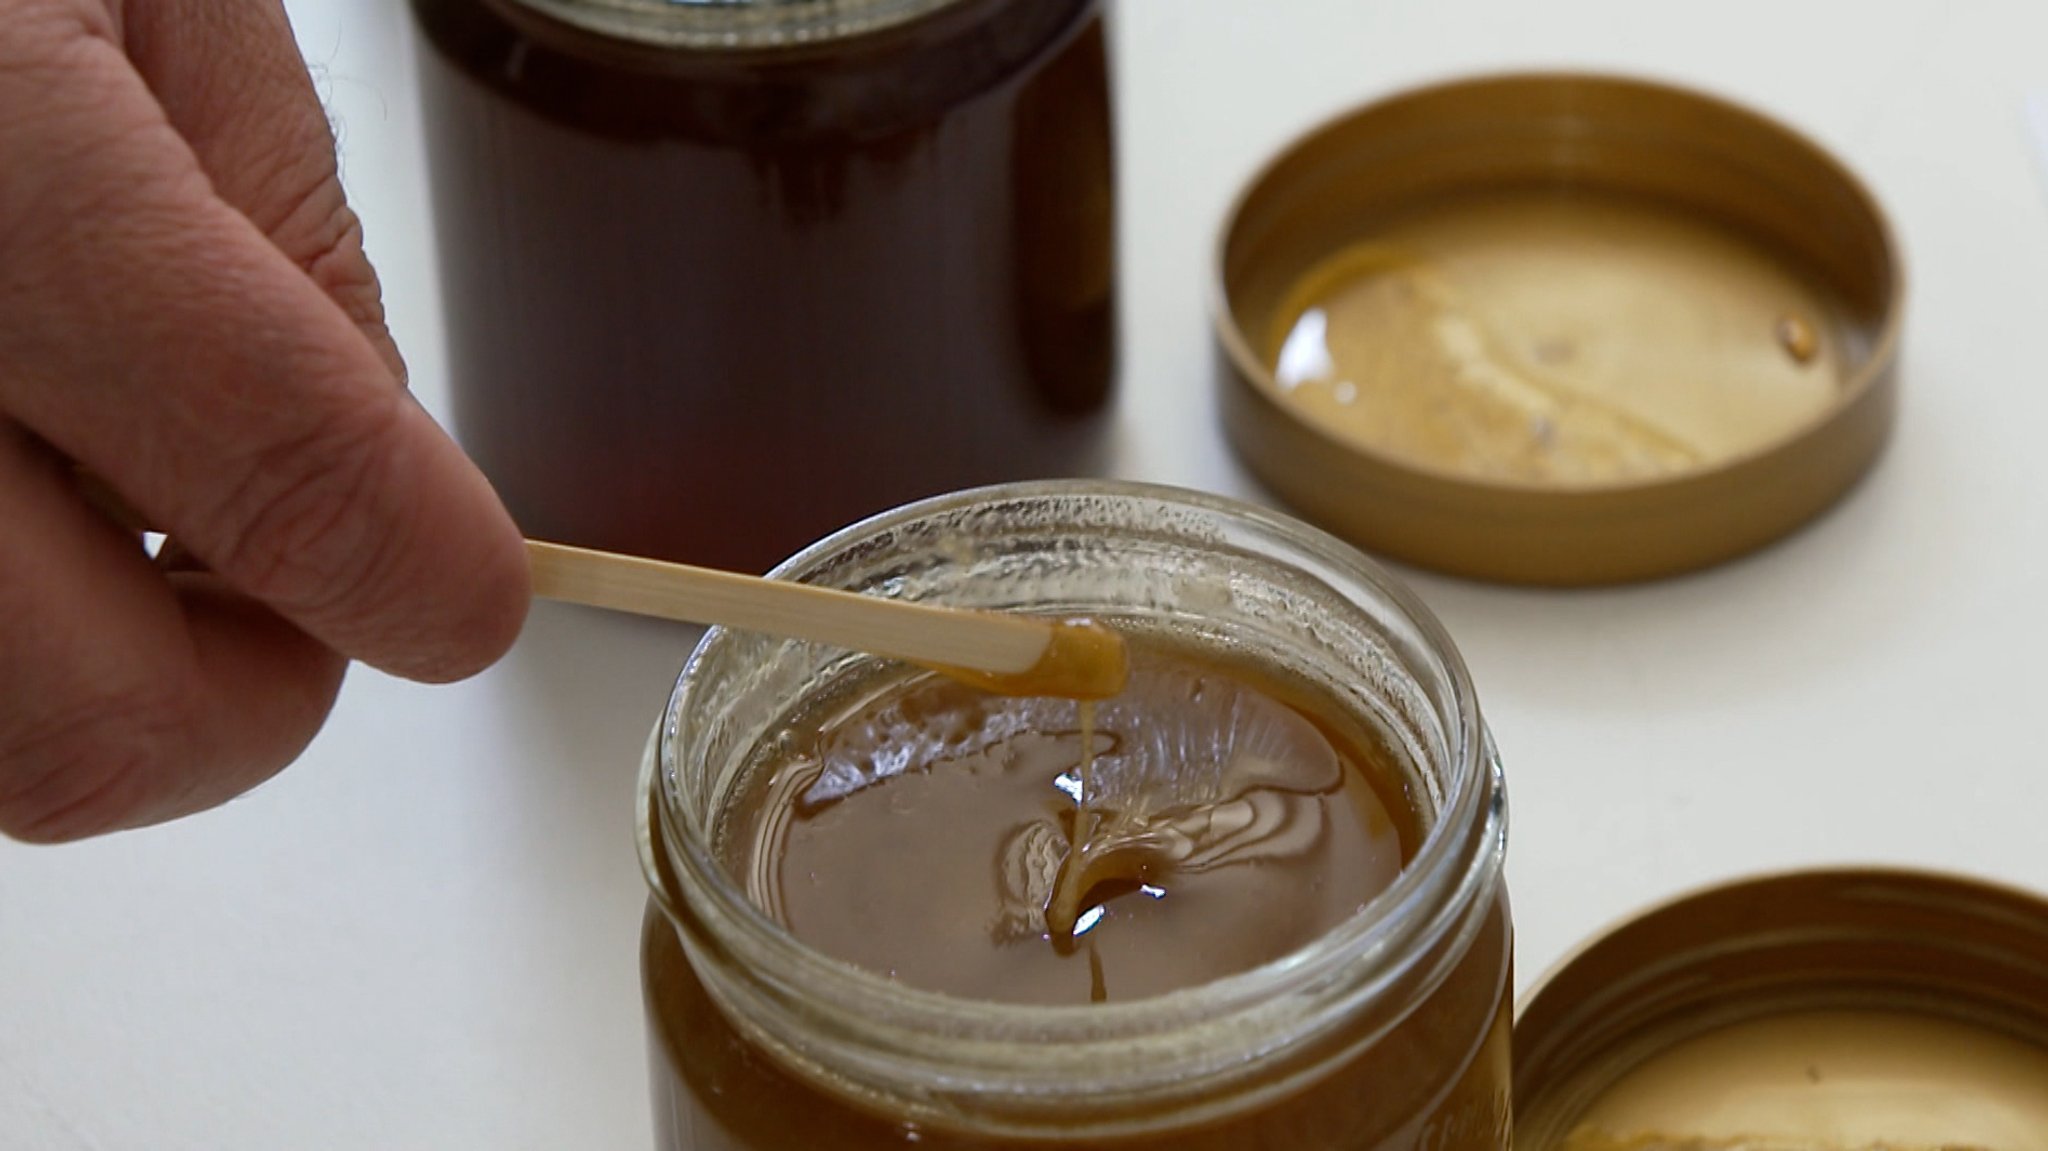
(1586, 1140)
(1084, 659)
(1380, 348)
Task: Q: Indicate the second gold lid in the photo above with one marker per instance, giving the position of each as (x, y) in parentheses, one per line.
(1830, 1010)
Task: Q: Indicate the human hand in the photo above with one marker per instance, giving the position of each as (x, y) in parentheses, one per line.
(186, 310)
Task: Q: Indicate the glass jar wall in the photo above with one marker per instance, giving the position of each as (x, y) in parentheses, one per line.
(1389, 1033)
(720, 278)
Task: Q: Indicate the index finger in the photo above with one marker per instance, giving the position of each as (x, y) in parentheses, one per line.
(262, 137)
(152, 332)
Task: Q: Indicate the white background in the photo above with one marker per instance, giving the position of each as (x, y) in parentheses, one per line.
(424, 935)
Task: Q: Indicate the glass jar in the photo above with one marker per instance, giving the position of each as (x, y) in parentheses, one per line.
(721, 277)
(1388, 1034)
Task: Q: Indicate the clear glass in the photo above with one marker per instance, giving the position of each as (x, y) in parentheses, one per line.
(1388, 1034)
(715, 24)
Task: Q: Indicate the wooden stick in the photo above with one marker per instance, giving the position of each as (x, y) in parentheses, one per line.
(992, 642)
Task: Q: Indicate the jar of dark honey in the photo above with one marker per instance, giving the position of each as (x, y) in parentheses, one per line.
(719, 278)
(1293, 930)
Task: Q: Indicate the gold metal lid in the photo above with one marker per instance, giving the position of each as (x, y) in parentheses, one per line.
(1816, 1011)
(1557, 329)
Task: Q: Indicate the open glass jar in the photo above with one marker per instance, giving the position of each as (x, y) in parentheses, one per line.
(798, 260)
(1390, 1033)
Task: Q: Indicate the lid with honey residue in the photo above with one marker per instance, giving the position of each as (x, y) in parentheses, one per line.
(1557, 329)
(1818, 1011)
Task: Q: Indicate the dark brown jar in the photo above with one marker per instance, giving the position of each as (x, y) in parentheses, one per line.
(720, 278)
(1388, 1033)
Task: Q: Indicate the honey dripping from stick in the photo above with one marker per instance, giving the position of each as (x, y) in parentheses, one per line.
(1063, 910)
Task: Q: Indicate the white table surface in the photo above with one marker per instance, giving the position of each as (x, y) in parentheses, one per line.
(424, 934)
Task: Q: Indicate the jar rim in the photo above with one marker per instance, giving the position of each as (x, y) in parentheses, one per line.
(734, 25)
(1145, 1043)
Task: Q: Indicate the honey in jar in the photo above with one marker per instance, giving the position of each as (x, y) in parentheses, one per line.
(719, 278)
(1194, 826)
(1253, 901)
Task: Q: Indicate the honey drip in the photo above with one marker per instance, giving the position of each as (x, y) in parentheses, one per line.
(1064, 910)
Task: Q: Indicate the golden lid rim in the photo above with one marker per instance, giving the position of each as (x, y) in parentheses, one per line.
(1690, 155)
(1881, 360)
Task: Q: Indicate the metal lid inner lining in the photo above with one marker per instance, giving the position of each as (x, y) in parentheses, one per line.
(1806, 961)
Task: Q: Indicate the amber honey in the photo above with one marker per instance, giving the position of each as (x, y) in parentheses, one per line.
(1439, 1082)
(1253, 900)
(1213, 817)
(1207, 824)
(708, 303)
